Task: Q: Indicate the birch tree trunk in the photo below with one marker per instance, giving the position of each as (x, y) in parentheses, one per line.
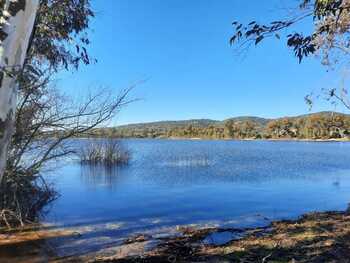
(16, 24)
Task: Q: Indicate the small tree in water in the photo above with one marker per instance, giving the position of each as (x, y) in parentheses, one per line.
(107, 152)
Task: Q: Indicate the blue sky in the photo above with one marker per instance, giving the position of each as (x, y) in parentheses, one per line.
(182, 48)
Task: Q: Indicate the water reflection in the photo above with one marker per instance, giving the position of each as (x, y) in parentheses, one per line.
(98, 175)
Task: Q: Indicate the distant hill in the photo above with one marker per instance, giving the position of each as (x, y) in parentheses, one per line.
(262, 121)
(322, 113)
(320, 125)
(172, 124)
(207, 122)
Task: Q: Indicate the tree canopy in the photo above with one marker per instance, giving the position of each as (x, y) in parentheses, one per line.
(330, 36)
(60, 35)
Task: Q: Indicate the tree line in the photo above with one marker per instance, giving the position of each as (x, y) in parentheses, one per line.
(314, 126)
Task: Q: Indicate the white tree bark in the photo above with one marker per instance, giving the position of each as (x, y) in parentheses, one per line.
(17, 22)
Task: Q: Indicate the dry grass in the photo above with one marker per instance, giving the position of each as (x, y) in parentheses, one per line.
(317, 237)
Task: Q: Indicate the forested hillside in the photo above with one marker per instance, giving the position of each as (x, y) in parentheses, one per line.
(322, 125)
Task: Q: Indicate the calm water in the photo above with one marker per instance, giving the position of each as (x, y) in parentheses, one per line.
(184, 182)
(227, 183)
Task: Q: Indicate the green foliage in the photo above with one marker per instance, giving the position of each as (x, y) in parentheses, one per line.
(59, 37)
(330, 35)
(324, 125)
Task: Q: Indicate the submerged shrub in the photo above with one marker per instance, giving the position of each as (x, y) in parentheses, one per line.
(107, 152)
(24, 194)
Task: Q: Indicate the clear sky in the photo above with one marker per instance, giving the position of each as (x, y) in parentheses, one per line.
(182, 48)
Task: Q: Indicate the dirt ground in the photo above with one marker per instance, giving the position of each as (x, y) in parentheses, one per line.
(316, 237)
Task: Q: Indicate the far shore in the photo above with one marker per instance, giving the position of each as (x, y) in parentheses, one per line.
(254, 139)
(223, 139)
(228, 139)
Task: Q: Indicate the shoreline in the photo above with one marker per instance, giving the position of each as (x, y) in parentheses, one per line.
(252, 139)
(223, 139)
(248, 139)
(313, 237)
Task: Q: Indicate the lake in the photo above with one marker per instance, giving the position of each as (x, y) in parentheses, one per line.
(171, 183)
